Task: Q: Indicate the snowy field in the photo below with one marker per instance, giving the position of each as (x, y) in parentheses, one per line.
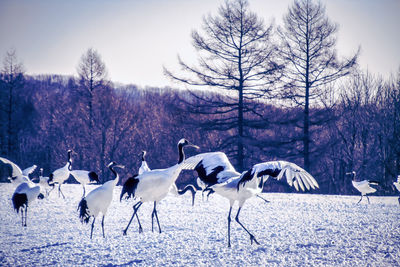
(293, 230)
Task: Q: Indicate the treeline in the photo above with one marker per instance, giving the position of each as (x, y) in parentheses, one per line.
(50, 116)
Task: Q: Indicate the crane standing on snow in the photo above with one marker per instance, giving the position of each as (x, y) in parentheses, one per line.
(26, 191)
(84, 178)
(25, 194)
(98, 200)
(364, 186)
(154, 185)
(61, 175)
(215, 171)
(144, 167)
(44, 182)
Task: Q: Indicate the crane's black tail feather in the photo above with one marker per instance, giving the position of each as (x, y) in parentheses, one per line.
(129, 187)
(19, 201)
(83, 211)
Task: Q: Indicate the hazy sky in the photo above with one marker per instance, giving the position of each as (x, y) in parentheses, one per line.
(136, 38)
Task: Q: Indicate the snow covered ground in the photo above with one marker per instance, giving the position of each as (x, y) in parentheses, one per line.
(293, 230)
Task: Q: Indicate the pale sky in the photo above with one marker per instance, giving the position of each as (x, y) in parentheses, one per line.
(137, 37)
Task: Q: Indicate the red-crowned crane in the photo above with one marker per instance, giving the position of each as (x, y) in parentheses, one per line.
(154, 185)
(60, 175)
(364, 186)
(143, 167)
(98, 200)
(18, 176)
(44, 182)
(397, 185)
(215, 171)
(85, 177)
(23, 196)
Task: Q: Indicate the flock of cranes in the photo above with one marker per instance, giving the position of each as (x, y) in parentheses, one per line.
(215, 175)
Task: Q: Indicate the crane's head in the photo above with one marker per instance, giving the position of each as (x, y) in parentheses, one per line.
(183, 142)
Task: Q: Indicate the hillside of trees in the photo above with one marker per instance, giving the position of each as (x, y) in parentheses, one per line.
(258, 101)
(50, 117)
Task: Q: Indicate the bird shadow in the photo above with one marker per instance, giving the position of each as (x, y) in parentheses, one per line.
(132, 262)
(43, 247)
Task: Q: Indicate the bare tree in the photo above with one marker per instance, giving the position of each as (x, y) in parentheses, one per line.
(12, 78)
(308, 47)
(92, 75)
(235, 56)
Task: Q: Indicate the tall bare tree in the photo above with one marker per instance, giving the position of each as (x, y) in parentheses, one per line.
(235, 56)
(92, 75)
(308, 46)
(12, 79)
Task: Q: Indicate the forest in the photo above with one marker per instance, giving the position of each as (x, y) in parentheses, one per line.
(259, 93)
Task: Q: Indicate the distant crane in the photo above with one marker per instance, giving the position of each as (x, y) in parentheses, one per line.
(144, 167)
(397, 185)
(154, 185)
(17, 175)
(364, 186)
(215, 171)
(44, 182)
(85, 177)
(23, 196)
(98, 200)
(61, 175)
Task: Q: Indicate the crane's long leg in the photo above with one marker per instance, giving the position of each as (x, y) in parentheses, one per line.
(22, 216)
(360, 199)
(135, 209)
(91, 231)
(252, 238)
(102, 226)
(59, 191)
(52, 187)
(84, 191)
(26, 213)
(368, 199)
(155, 213)
(140, 225)
(229, 227)
(152, 221)
(267, 201)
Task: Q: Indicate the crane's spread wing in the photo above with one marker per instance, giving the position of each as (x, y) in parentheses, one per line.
(214, 168)
(192, 162)
(29, 170)
(16, 171)
(295, 175)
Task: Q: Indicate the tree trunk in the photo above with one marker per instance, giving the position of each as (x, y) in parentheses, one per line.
(10, 110)
(240, 131)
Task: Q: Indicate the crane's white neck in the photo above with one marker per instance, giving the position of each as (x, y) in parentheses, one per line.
(116, 179)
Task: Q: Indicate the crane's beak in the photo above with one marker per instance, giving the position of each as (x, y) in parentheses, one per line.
(192, 145)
